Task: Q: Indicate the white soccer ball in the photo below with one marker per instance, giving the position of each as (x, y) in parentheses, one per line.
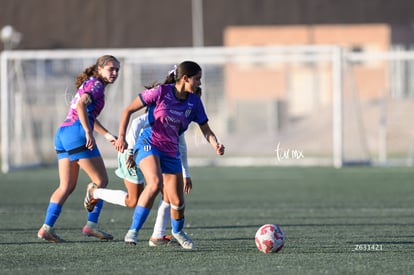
(270, 238)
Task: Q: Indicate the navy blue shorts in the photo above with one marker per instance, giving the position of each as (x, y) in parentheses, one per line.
(169, 164)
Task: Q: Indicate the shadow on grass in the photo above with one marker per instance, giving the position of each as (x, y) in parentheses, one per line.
(301, 225)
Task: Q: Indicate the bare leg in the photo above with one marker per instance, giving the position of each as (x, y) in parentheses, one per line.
(174, 192)
(95, 169)
(150, 167)
(68, 177)
(134, 192)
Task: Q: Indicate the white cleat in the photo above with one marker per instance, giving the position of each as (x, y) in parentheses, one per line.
(131, 237)
(183, 240)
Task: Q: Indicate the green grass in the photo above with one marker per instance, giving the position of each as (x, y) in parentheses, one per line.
(325, 213)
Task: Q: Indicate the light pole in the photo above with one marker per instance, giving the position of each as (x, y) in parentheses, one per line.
(10, 37)
(198, 28)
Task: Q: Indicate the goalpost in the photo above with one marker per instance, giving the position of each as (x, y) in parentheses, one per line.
(383, 93)
(261, 101)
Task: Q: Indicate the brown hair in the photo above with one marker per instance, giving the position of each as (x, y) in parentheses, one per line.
(93, 70)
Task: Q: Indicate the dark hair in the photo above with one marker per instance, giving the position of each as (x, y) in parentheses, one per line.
(188, 68)
(93, 70)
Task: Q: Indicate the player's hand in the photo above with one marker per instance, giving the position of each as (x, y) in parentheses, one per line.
(130, 162)
(113, 141)
(220, 149)
(90, 141)
(188, 185)
(120, 145)
(111, 138)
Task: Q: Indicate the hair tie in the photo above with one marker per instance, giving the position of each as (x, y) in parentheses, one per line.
(173, 71)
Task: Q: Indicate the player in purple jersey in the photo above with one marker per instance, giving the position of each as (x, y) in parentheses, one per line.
(172, 107)
(76, 147)
(134, 182)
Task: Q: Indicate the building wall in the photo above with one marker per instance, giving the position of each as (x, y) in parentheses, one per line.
(375, 37)
(299, 83)
(53, 24)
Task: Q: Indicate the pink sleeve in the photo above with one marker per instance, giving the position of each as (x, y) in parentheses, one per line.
(150, 96)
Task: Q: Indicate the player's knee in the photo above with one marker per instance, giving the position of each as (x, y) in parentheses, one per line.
(154, 185)
(154, 188)
(66, 189)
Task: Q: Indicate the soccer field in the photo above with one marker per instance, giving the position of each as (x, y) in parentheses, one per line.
(356, 220)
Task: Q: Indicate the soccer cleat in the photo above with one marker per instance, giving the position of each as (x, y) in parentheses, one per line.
(166, 240)
(89, 201)
(47, 233)
(94, 231)
(131, 237)
(183, 240)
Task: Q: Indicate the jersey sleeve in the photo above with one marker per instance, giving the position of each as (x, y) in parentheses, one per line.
(94, 87)
(150, 96)
(135, 129)
(183, 152)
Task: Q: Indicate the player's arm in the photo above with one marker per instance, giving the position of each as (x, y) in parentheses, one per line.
(137, 104)
(99, 128)
(188, 184)
(211, 138)
(131, 138)
(81, 105)
(137, 125)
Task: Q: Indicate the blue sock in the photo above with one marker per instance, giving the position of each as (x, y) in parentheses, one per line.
(140, 215)
(52, 213)
(177, 225)
(94, 215)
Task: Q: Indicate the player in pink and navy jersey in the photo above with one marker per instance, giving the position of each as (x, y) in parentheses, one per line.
(134, 182)
(172, 107)
(76, 147)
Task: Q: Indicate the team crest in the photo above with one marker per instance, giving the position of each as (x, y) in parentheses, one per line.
(188, 112)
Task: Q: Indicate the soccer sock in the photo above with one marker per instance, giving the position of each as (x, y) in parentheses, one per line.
(111, 196)
(177, 225)
(163, 216)
(91, 224)
(94, 215)
(139, 217)
(52, 213)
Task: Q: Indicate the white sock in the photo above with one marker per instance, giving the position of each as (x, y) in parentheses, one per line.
(111, 196)
(163, 218)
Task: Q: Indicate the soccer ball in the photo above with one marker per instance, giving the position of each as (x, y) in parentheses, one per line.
(270, 238)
